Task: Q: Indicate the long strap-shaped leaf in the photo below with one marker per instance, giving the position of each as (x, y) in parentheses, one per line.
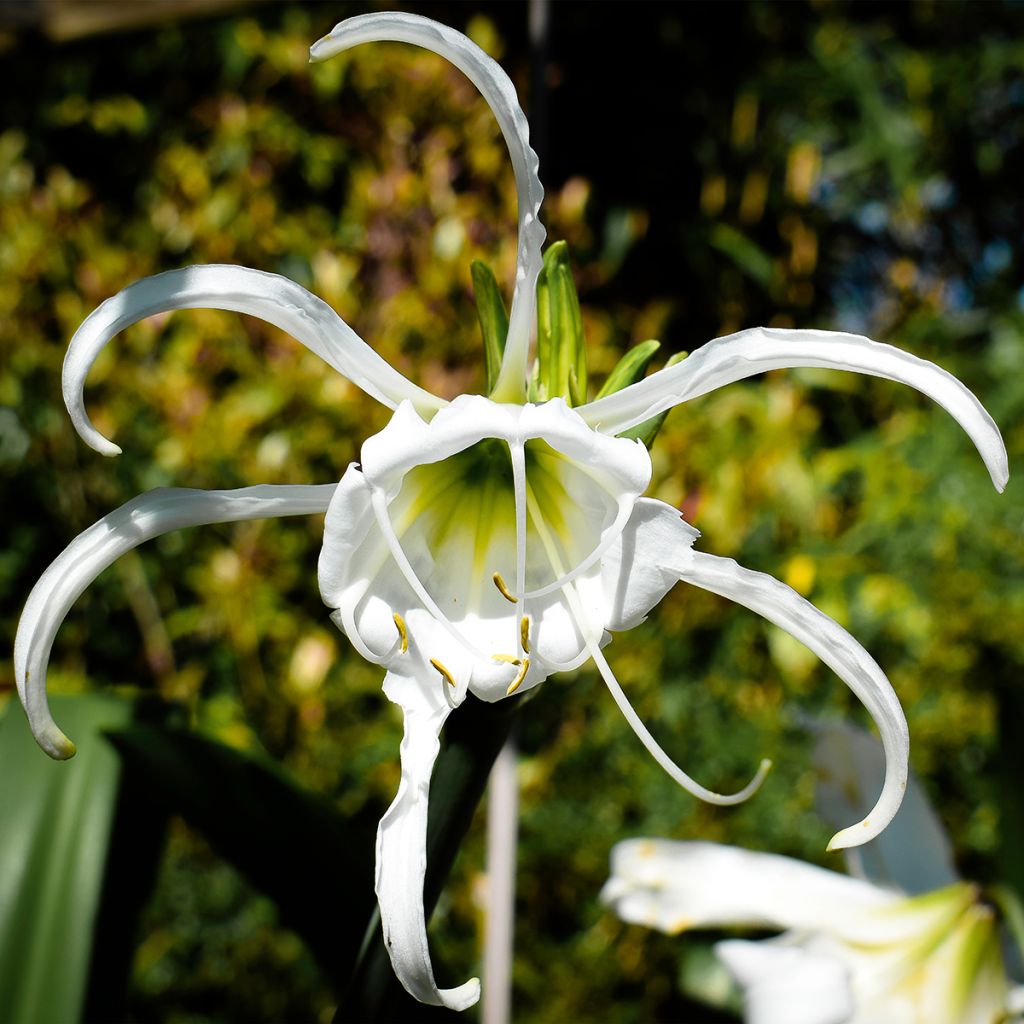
(69, 900)
(315, 864)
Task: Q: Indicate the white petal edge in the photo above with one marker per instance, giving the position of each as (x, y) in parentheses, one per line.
(500, 94)
(788, 984)
(270, 297)
(737, 356)
(676, 886)
(402, 845)
(785, 608)
(144, 517)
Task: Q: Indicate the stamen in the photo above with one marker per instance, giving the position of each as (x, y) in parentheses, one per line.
(445, 674)
(402, 631)
(524, 633)
(518, 681)
(643, 734)
(509, 659)
(502, 589)
(653, 747)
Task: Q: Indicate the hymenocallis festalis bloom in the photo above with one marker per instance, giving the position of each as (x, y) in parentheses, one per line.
(852, 952)
(482, 544)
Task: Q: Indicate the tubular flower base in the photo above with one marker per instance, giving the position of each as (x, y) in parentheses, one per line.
(483, 544)
(853, 952)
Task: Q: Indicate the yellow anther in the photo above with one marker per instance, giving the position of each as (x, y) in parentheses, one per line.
(445, 674)
(402, 631)
(502, 589)
(524, 633)
(518, 681)
(511, 659)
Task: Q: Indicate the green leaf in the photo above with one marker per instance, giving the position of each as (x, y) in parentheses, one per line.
(490, 309)
(561, 345)
(471, 740)
(316, 865)
(744, 252)
(78, 851)
(630, 368)
(648, 430)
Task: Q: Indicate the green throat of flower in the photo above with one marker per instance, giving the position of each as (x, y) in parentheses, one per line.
(467, 512)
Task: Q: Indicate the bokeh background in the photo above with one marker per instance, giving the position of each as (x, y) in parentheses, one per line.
(712, 167)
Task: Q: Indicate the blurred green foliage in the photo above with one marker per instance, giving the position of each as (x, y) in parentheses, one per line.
(849, 166)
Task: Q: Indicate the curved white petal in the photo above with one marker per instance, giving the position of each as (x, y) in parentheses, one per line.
(830, 642)
(270, 297)
(676, 886)
(741, 355)
(500, 94)
(401, 844)
(147, 516)
(789, 984)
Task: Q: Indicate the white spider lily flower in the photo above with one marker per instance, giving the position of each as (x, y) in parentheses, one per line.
(852, 952)
(480, 545)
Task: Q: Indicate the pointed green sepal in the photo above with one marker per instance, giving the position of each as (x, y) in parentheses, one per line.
(561, 348)
(490, 309)
(648, 430)
(630, 368)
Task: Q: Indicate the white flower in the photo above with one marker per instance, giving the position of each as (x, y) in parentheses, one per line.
(480, 545)
(852, 953)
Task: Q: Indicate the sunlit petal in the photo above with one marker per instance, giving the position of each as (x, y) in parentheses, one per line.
(147, 516)
(741, 355)
(830, 642)
(402, 843)
(270, 297)
(500, 94)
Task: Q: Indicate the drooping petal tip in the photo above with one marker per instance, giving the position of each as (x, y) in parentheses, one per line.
(876, 822)
(95, 549)
(54, 742)
(785, 608)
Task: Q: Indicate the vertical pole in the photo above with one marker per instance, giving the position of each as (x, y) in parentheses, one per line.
(502, 829)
